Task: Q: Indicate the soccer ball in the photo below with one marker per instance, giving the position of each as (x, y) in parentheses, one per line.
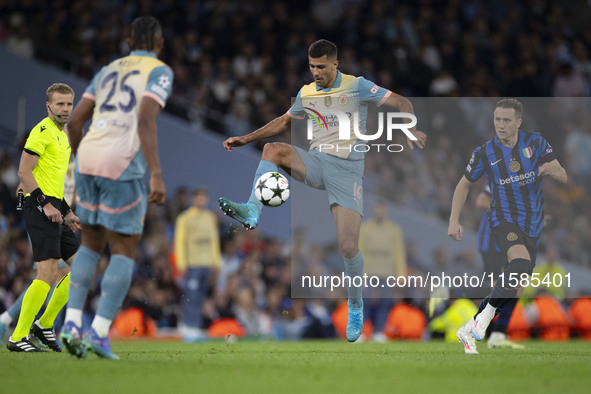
(272, 189)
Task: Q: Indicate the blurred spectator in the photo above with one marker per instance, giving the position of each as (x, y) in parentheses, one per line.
(551, 275)
(382, 243)
(20, 41)
(569, 82)
(197, 252)
(405, 321)
(255, 321)
(453, 317)
(580, 312)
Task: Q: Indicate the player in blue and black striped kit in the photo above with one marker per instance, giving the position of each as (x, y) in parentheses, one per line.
(514, 163)
(494, 261)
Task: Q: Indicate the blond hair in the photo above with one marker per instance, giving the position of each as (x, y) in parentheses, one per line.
(59, 88)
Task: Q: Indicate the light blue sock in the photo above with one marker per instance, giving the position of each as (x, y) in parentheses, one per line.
(81, 274)
(354, 268)
(115, 285)
(264, 167)
(15, 308)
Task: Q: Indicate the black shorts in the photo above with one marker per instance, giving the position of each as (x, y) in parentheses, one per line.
(509, 234)
(50, 240)
(494, 262)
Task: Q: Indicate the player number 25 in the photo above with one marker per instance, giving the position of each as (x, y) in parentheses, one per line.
(114, 76)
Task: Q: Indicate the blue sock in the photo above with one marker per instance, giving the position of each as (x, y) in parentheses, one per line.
(115, 285)
(264, 167)
(81, 274)
(482, 306)
(505, 315)
(354, 268)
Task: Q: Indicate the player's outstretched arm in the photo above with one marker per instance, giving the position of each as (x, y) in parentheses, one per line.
(148, 133)
(80, 115)
(404, 105)
(554, 170)
(455, 229)
(273, 128)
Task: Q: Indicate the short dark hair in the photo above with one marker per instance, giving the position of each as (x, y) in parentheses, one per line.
(145, 30)
(200, 191)
(511, 103)
(58, 88)
(321, 48)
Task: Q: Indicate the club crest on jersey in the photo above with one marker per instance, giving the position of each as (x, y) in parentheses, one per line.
(528, 152)
(512, 237)
(514, 166)
(343, 99)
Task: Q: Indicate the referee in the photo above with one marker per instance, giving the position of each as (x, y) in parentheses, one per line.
(49, 220)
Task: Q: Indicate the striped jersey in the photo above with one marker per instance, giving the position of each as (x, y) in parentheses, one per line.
(111, 147)
(512, 175)
(348, 96)
(486, 242)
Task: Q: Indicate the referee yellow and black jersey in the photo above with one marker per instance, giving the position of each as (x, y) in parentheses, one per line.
(51, 144)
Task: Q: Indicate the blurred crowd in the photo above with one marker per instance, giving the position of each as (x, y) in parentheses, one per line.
(238, 63)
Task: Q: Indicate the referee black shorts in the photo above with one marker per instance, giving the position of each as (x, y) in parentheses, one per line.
(50, 240)
(508, 234)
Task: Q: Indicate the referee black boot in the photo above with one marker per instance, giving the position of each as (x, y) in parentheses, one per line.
(46, 336)
(24, 345)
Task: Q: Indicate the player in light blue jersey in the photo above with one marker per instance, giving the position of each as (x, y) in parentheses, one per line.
(123, 99)
(338, 168)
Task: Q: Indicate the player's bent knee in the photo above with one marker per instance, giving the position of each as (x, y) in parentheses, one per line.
(518, 252)
(349, 249)
(517, 267)
(277, 153)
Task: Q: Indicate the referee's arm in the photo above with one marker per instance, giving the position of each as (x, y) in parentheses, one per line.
(25, 173)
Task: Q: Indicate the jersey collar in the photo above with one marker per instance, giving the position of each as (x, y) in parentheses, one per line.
(335, 85)
(141, 52)
(520, 135)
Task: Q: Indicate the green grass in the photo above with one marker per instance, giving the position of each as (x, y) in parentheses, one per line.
(303, 367)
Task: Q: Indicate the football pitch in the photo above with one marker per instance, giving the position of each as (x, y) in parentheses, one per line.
(303, 367)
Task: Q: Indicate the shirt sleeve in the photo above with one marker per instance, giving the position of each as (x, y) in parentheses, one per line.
(297, 109)
(36, 142)
(486, 189)
(90, 92)
(475, 167)
(159, 85)
(371, 92)
(546, 152)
